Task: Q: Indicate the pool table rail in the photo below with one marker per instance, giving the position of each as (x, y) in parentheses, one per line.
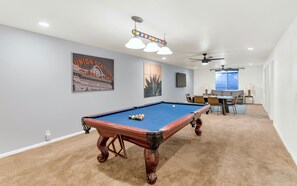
(142, 137)
(149, 140)
(177, 125)
(107, 129)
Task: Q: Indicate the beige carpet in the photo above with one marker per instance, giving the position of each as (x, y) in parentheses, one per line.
(233, 150)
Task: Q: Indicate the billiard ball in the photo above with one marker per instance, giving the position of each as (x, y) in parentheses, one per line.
(173, 106)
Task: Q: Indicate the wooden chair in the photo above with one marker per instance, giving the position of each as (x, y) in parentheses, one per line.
(189, 98)
(214, 101)
(233, 104)
(199, 99)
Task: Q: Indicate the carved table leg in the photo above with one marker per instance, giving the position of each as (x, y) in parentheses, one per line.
(198, 125)
(151, 158)
(101, 144)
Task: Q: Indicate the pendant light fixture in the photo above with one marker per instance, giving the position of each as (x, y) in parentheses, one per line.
(152, 46)
(164, 50)
(134, 42)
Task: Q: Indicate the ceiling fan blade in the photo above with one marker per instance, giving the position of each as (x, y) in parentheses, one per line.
(195, 59)
(216, 59)
(226, 69)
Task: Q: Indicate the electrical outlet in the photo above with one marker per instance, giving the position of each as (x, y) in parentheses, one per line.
(47, 135)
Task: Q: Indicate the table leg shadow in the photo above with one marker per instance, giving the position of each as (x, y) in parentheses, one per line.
(132, 170)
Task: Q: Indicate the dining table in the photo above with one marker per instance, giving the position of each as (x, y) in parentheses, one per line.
(222, 99)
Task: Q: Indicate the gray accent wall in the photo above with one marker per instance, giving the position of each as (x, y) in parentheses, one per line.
(36, 93)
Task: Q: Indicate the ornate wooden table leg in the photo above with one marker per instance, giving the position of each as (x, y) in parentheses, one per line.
(101, 144)
(198, 125)
(151, 158)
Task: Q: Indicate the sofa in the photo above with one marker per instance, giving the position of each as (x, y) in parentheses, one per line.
(238, 93)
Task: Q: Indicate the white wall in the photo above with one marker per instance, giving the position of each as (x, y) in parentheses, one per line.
(283, 63)
(268, 89)
(203, 76)
(251, 74)
(36, 81)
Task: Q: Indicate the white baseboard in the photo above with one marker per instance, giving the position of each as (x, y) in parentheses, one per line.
(294, 158)
(281, 137)
(40, 144)
(292, 155)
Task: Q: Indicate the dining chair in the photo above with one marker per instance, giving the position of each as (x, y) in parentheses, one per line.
(233, 104)
(189, 98)
(214, 101)
(199, 99)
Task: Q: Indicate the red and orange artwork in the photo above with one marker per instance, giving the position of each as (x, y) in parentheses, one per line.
(92, 73)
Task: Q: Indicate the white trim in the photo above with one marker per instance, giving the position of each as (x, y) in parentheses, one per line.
(279, 134)
(292, 155)
(294, 158)
(40, 144)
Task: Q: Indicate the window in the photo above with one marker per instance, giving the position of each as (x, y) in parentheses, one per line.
(227, 80)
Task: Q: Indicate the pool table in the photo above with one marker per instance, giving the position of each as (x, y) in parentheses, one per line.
(161, 120)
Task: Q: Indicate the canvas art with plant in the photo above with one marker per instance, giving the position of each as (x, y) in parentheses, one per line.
(152, 80)
(153, 86)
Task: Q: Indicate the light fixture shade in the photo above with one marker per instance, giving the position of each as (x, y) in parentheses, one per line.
(135, 43)
(151, 47)
(164, 51)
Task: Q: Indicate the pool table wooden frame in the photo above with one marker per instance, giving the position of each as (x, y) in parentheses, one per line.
(149, 140)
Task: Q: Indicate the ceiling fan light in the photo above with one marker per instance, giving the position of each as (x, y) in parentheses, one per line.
(151, 47)
(204, 63)
(164, 51)
(135, 43)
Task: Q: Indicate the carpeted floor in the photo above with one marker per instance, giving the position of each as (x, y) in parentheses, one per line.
(240, 108)
(233, 150)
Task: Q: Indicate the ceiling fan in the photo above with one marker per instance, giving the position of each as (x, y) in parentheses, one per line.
(205, 59)
(223, 69)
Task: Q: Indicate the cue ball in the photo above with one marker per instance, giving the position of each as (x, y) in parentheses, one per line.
(173, 105)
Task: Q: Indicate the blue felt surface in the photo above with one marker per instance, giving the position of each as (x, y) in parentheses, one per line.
(155, 116)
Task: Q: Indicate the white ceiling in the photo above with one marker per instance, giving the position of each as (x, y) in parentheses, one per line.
(223, 28)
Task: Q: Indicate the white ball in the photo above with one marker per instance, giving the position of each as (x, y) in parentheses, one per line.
(173, 105)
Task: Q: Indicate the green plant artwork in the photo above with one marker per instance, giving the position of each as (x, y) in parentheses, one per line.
(153, 86)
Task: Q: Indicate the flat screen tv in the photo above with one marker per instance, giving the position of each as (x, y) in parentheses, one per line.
(181, 80)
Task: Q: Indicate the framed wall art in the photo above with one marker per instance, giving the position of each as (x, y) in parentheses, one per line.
(92, 73)
(152, 79)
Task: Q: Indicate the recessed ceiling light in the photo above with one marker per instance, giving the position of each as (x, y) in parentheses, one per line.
(250, 64)
(250, 48)
(44, 24)
(163, 58)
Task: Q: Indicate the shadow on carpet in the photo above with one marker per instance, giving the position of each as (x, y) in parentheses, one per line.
(132, 169)
(241, 109)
